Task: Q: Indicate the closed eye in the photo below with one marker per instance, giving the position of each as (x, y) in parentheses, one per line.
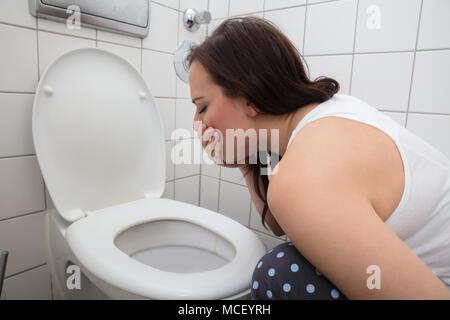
(203, 110)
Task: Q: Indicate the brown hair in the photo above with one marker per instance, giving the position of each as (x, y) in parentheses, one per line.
(250, 57)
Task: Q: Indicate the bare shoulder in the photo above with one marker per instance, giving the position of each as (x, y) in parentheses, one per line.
(331, 146)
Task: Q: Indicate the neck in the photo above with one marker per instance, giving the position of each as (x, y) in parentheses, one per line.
(285, 124)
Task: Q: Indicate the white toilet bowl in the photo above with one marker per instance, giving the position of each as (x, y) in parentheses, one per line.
(100, 146)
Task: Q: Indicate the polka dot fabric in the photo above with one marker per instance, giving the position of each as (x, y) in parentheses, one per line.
(284, 274)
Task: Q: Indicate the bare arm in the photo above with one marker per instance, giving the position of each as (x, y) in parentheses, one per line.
(259, 205)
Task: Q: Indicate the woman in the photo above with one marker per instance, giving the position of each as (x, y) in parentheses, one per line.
(365, 202)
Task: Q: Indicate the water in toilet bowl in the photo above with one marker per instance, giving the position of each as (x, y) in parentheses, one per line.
(180, 259)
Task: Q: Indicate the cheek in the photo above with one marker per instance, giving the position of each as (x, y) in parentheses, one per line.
(223, 118)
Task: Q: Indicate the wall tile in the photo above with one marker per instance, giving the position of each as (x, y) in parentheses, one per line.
(199, 5)
(291, 22)
(21, 187)
(232, 175)
(434, 30)
(16, 12)
(383, 80)
(234, 202)
(219, 8)
(239, 7)
(435, 129)
(169, 190)
(209, 193)
(158, 71)
(397, 29)
(18, 59)
(23, 237)
(170, 3)
(59, 27)
(277, 4)
(15, 124)
(166, 108)
(183, 89)
(431, 82)
(185, 112)
(191, 164)
(187, 190)
(338, 67)
(170, 168)
(132, 55)
(400, 117)
(34, 284)
(211, 170)
(52, 46)
(256, 223)
(163, 29)
(119, 39)
(330, 27)
(269, 241)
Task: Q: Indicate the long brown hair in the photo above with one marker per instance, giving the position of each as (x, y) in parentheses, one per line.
(250, 57)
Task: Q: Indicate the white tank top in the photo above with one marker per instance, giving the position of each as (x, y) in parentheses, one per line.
(422, 218)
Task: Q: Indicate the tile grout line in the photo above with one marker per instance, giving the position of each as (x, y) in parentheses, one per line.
(413, 65)
(354, 46)
(22, 215)
(176, 104)
(26, 270)
(304, 36)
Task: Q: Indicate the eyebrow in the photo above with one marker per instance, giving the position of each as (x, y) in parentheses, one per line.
(198, 98)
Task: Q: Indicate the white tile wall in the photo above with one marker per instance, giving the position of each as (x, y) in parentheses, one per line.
(239, 7)
(52, 45)
(18, 59)
(383, 80)
(431, 82)
(330, 27)
(385, 25)
(435, 129)
(278, 4)
(28, 46)
(234, 202)
(209, 193)
(291, 22)
(15, 137)
(23, 237)
(219, 8)
(338, 67)
(34, 284)
(434, 25)
(16, 12)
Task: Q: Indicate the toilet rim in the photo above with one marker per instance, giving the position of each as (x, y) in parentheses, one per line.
(92, 241)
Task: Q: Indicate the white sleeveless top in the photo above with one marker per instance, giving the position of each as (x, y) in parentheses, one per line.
(422, 218)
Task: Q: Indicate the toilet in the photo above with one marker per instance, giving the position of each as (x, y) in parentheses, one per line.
(99, 142)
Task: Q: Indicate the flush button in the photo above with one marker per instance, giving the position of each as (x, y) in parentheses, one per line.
(142, 95)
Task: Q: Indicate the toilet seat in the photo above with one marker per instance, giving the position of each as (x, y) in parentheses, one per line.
(92, 241)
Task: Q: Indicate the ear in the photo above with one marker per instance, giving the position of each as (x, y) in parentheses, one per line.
(251, 110)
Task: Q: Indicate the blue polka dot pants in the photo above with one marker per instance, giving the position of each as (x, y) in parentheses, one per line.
(283, 273)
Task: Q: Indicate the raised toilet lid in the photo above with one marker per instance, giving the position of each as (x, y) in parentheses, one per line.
(97, 133)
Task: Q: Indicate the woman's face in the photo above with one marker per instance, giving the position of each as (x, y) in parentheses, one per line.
(221, 112)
